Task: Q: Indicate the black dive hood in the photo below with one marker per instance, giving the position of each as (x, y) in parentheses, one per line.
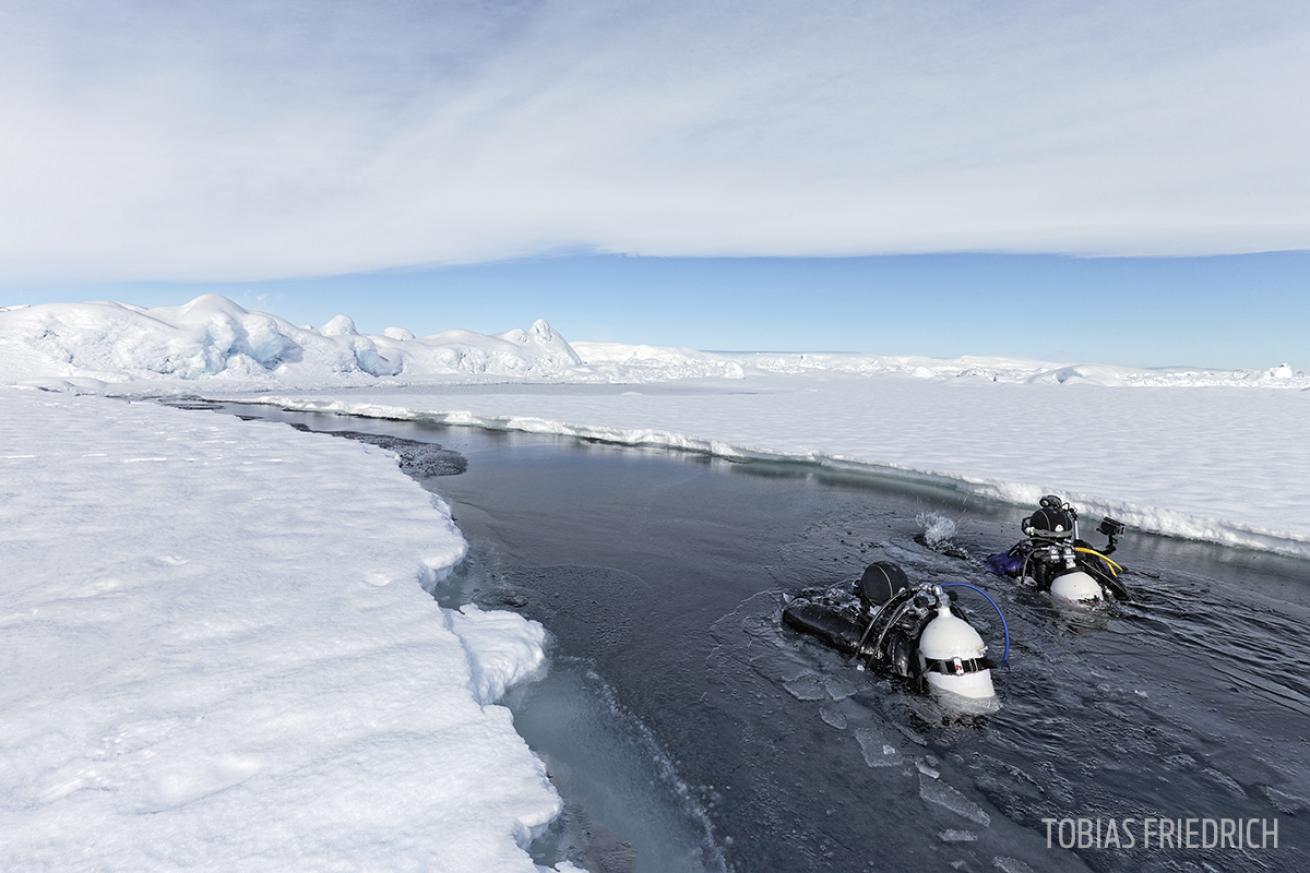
(1049, 524)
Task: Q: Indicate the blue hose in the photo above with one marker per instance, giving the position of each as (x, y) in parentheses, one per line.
(1005, 658)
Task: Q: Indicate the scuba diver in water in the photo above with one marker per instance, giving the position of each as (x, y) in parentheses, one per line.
(1053, 558)
(912, 631)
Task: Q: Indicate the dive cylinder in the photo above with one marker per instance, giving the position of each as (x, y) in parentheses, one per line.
(1077, 587)
(951, 656)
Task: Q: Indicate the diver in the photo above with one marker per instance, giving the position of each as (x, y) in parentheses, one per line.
(1054, 558)
(912, 631)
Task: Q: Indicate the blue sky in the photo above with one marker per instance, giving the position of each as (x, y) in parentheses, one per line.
(1226, 311)
(764, 174)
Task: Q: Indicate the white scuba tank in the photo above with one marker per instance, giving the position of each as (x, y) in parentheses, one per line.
(1077, 587)
(946, 638)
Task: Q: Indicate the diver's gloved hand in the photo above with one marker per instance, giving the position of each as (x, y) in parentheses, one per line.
(1004, 563)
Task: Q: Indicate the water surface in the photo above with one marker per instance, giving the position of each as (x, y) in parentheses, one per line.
(679, 718)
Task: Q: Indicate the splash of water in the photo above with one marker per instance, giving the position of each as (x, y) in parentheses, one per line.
(937, 528)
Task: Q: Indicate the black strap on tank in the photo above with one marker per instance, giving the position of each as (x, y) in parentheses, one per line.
(1094, 569)
(957, 666)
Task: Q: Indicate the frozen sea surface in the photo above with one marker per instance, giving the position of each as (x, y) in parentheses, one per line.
(217, 653)
(661, 576)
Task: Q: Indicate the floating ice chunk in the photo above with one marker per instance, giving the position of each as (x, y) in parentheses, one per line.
(877, 751)
(833, 716)
(939, 793)
(807, 686)
(924, 766)
(957, 836)
(839, 687)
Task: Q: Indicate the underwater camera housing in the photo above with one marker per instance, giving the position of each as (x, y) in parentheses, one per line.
(1111, 528)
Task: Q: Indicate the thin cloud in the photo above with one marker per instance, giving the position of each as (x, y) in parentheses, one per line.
(253, 141)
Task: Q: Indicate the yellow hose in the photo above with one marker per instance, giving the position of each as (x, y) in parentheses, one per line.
(1114, 568)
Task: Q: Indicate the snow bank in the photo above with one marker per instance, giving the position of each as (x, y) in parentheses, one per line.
(212, 337)
(1226, 465)
(217, 655)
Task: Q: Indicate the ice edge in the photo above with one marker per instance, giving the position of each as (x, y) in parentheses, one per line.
(1156, 520)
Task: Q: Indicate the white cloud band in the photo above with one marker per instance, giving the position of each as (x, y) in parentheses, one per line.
(237, 141)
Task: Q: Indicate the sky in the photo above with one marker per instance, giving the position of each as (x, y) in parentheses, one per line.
(1239, 311)
(614, 165)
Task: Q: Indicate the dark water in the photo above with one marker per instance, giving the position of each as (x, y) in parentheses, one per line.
(680, 719)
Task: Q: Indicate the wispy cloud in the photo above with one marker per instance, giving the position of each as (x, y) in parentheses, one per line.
(255, 140)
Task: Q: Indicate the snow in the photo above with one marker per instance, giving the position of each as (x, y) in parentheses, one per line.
(218, 654)
(212, 338)
(1194, 452)
(503, 648)
(627, 363)
(1225, 465)
(654, 363)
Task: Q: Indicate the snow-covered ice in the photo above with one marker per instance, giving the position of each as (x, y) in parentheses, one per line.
(1209, 454)
(217, 654)
(503, 648)
(1227, 465)
(213, 338)
(629, 363)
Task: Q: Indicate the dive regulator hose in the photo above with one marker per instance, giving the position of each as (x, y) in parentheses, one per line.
(1005, 658)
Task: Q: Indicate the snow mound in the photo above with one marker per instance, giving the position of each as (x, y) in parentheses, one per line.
(339, 325)
(214, 338)
(218, 655)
